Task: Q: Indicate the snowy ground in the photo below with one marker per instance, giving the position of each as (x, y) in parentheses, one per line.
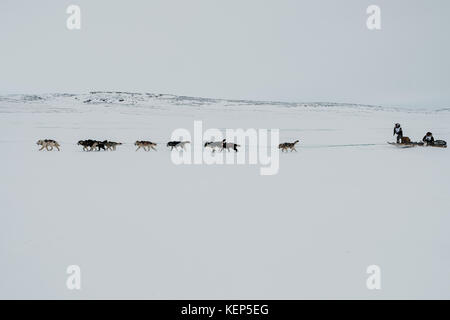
(141, 227)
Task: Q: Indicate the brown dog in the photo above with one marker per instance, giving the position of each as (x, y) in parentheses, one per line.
(146, 145)
(406, 140)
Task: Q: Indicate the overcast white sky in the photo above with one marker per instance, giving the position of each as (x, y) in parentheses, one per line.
(287, 50)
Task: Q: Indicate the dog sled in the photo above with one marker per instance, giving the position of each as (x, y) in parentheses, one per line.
(436, 144)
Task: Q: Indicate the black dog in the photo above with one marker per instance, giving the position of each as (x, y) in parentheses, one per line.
(176, 144)
(173, 143)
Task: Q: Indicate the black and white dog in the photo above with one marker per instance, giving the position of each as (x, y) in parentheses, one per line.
(229, 145)
(221, 145)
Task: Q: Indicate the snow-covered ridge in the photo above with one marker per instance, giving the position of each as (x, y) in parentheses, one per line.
(151, 99)
(132, 98)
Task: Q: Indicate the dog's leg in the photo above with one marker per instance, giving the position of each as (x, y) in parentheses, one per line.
(57, 148)
(42, 148)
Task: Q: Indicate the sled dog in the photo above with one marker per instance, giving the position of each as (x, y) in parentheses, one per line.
(48, 144)
(228, 146)
(87, 144)
(91, 145)
(288, 145)
(176, 144)
(111, 145)
(99, 145)
(214, 145)
(146, 145)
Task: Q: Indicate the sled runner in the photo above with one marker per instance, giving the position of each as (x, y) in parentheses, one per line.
(403, 145)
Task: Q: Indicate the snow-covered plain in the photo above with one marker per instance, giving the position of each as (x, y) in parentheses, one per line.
(141, 227)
